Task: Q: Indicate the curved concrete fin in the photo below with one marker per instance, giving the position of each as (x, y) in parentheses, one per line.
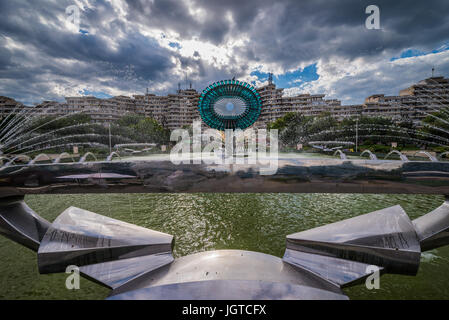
(433, 228)
(20, 223)
(117, 273)
(386, 238)
(339, 272)
(80, 237)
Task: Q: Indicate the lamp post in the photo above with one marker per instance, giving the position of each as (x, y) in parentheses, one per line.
(356, 134)
(110, 145)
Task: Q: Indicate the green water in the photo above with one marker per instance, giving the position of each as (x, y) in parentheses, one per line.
(200, 222)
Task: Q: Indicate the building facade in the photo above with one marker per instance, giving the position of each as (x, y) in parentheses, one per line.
(276, 105)
(181, 108)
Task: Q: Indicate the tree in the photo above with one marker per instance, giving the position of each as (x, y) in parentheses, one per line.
(141, 129)
(436, 127)
(49, 123)
(296, 128)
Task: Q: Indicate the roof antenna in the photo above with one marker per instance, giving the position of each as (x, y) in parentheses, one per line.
(270, 78)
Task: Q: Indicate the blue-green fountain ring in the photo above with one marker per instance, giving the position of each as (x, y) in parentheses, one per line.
(230, 104)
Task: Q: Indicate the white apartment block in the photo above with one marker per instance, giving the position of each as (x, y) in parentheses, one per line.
(276, 105)
(181, 108)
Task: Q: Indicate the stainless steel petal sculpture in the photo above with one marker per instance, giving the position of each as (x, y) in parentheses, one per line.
(80, 237)
(433, 228)
(340, 252)
(230, 274)
(20, 223)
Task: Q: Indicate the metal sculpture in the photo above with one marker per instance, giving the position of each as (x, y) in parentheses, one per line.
(230, 104)
(137, 263)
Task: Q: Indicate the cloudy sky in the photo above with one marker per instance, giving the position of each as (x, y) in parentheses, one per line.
(311, 46)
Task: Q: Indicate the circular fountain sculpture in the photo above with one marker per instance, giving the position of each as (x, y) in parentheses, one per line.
(230, 104)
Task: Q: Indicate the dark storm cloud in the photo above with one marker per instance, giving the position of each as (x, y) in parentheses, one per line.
(175, 15)
(115, 54)
(310, 30)
(288, 31)
(33, 28)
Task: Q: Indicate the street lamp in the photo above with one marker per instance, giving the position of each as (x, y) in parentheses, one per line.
(110, 145)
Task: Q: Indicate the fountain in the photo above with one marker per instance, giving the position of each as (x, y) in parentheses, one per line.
(111, 156)
(83, 158)
(428, 155)
(64, 154)
(342, 155)
(125, 147)
(401, 156)
(14, 158)
(372, 156)
(149, 251)
(138, 263)
(39, 157)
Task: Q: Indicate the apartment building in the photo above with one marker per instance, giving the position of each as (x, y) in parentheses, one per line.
(9, 105)
(427, 96)
(414, 103)
(181, 108)
(276, 105)
(172, 111)
(386, 106)
(273, 105)
(151, 105)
